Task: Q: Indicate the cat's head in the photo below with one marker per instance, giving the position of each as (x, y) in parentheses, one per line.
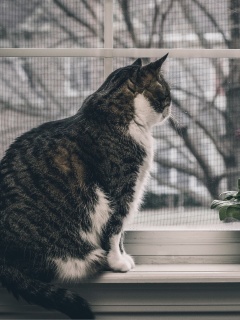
(134, 92)
(153, 98)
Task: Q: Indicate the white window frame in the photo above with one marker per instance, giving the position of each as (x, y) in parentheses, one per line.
(189, 262)
(199, 246)
(216, 246)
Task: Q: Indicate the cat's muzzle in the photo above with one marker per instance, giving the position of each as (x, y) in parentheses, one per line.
(166, 112)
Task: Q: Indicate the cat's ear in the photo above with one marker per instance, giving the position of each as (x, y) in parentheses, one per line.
(137, 62)
(156, 65)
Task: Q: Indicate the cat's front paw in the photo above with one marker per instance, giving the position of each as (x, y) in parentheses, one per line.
(118, 263)
(129, 259)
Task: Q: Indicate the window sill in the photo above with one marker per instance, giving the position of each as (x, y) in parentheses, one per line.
(174, 273)
(179, 275)
(181, 291)
(166, 292)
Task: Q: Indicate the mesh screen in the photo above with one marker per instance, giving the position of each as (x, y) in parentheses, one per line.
(36, 90)
(197, 152)
(51, 23)
(172, 24)
(198, 149)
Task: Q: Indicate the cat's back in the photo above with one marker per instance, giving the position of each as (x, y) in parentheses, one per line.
(36, 166)
(44, 182)
(59, 161)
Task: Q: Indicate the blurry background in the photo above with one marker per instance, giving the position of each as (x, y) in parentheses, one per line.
(198, 153)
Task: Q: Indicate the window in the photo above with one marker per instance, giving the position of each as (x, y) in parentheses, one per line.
(197, 154)
(79, 76)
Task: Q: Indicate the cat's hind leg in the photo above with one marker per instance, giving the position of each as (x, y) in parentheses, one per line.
(76, 269)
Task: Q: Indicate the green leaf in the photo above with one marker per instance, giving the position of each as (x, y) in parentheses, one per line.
(217, 204)
(227, 195)
(237, 196)
(223, 213)
(229, 206)
(230, 212)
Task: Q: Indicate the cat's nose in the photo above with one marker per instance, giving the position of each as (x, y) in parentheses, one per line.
(167, 102)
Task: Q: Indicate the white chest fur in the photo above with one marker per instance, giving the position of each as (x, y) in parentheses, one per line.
(140, 131)
(143, 175)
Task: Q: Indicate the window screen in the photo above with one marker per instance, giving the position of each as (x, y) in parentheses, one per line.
(51, 23)
(197, 152)
(173, 23)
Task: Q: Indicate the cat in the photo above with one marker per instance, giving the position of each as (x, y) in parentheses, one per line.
(68, 188)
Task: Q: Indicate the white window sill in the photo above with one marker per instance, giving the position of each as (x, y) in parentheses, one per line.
(166, 292)
(174, 273)
(178, 276)
(181, 291)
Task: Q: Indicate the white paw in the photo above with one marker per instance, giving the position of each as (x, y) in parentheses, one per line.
(118, 263)
(129, 259)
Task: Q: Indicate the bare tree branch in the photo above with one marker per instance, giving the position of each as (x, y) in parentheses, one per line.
(221, 148)
(154, 23)
(90, 9)
(228, 173)
(72, 15)
(193, 148)
(170, 144)
(181, 167)
(204, 199)
(94, 16)
(50, 95)
(187, 68)
(163, 19)
(213, 20)
(71, 35)
(204, 43)
(124, 4)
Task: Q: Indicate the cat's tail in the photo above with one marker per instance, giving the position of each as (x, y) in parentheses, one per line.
(44, 294)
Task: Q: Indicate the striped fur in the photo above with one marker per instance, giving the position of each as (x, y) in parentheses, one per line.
(68, 188)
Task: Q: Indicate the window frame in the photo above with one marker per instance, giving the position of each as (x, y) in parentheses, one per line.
(171, 246)
(224, 242)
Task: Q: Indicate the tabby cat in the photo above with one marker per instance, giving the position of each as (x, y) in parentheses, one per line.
(68, 187)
